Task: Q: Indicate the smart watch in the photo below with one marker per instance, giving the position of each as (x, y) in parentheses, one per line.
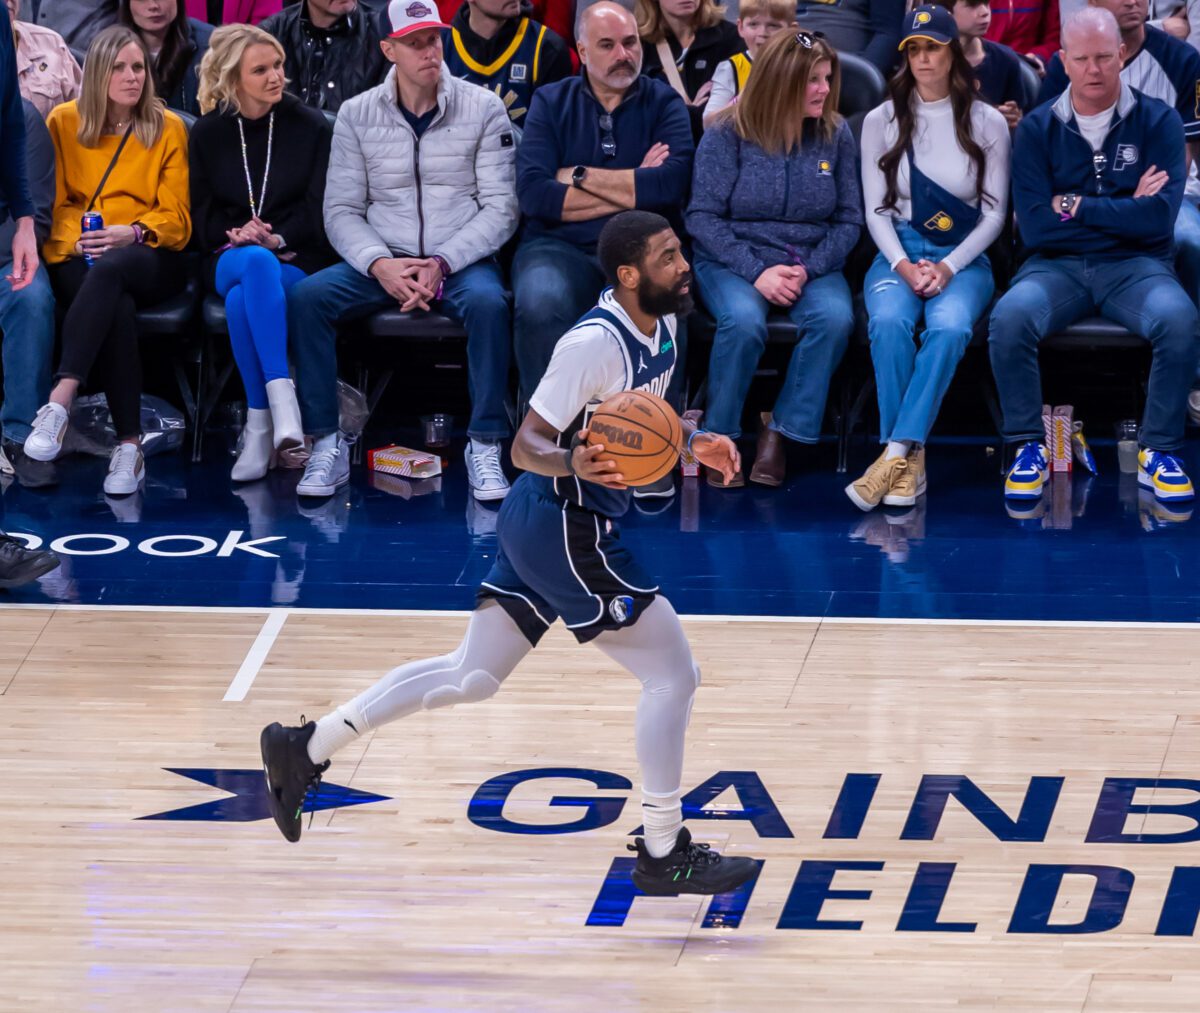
(578, 176)
(1066, 203)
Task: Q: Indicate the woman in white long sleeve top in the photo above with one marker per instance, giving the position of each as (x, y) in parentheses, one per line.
(935, 187)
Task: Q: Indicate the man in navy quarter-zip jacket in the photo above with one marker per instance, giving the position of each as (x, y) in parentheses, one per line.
(594, 145)
(1098, 176)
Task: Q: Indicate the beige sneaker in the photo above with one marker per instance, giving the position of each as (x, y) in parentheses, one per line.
(877, 481)
(910, 483)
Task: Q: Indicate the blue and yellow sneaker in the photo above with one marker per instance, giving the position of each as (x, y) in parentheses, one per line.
(1165, 475)
(1029, 472)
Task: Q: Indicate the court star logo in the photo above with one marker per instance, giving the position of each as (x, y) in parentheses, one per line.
(248, 797)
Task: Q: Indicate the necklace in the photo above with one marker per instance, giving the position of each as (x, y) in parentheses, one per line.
(256, 208)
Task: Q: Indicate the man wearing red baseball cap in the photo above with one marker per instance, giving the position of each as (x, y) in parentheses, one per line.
(420, 196)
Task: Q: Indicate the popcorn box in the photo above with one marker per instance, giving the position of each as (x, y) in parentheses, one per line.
(397, 460)
(1062, 430)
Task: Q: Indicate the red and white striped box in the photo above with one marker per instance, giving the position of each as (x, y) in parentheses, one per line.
(397, 460)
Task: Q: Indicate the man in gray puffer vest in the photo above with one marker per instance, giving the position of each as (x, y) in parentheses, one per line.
(421, 194)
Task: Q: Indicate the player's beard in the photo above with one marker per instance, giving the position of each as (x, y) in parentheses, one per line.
(657, 301)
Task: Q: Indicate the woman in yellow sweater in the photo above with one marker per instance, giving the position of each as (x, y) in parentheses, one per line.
(119, 128)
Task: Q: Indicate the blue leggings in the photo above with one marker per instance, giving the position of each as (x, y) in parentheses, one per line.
(254, 283)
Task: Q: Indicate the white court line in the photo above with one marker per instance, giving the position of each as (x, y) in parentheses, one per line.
(462, 614)
(256, 655)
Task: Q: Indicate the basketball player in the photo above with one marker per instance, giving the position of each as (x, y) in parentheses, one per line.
(560, 556)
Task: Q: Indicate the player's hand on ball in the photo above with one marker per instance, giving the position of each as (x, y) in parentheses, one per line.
(719, 453)
(591, 466)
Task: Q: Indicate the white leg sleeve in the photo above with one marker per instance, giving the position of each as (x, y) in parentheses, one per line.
(491, 649)
(656, 650)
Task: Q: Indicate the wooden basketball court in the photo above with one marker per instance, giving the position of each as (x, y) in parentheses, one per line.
(407, 903)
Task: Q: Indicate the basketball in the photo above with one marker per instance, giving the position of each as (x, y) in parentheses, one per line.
(641, 432)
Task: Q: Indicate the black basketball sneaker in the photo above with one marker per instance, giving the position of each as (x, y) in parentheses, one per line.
(690, 868)
(290, 774)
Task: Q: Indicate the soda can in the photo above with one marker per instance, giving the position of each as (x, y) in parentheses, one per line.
(92, 221)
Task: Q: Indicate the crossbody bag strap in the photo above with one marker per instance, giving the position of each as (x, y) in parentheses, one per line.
(667, 59)
(108, 171)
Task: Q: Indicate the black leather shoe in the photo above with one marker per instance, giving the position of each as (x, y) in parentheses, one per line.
(30, 473)
(19, 565)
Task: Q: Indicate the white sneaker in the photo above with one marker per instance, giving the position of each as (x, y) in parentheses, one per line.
(326, 471)
(45, 442)
(1193, 408)
(126, 470)
(484, 471)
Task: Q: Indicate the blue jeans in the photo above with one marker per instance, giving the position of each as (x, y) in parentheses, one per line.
(912, 381)
(824, 316)
(474, 297)
(254, 283)
(1139, 293)
(1187, 252)
(27, 323)
(554, 284)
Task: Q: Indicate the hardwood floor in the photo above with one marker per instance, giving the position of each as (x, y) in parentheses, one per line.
(408, 904)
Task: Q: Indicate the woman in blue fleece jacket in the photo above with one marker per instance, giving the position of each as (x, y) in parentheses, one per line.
(776, 208)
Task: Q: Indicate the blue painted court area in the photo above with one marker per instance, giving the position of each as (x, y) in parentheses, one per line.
(1093, 550)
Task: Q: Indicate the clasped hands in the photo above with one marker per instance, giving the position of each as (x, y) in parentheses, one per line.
(255, 232)
(412, 281)
(782, 284)
(925, 278)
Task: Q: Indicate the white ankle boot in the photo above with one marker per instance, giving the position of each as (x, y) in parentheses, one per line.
(285, 414)
(254, 461)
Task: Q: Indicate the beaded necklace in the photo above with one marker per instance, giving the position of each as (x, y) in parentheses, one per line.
(255, 209)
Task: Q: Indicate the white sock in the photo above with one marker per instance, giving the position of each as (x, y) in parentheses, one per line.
(662, 817)
(479, 446)
(898, 448)
(335, 730)
(327, 442)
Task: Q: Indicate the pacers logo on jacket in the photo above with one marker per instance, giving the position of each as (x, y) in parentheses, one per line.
(940, 221)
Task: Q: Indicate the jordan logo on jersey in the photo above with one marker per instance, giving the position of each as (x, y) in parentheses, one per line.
(641, 362)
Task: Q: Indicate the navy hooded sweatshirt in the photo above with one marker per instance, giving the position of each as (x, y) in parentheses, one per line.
(1051, 157)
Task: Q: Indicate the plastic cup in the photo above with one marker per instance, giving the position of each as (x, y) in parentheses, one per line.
(438, 428)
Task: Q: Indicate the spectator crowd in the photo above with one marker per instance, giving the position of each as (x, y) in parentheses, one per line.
(313, 162)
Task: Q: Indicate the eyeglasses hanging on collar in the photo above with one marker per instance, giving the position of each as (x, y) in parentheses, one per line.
(809, 39)
(608, 143)
(1099, 164)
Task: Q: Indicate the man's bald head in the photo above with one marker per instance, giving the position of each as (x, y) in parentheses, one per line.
(609, 47)
(1092, 55)
(604, 10)
(1092, 20)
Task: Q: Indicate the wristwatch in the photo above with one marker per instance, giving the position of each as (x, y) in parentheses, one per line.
(1065, 204)
(578, 176)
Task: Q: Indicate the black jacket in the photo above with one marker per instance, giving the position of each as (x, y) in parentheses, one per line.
(295, 186)
(327, 67)
(708, 49)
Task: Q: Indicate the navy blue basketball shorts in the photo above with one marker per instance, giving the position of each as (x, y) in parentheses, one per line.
(559, 560)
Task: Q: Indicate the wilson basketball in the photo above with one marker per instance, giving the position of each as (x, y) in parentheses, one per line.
(640, 432)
